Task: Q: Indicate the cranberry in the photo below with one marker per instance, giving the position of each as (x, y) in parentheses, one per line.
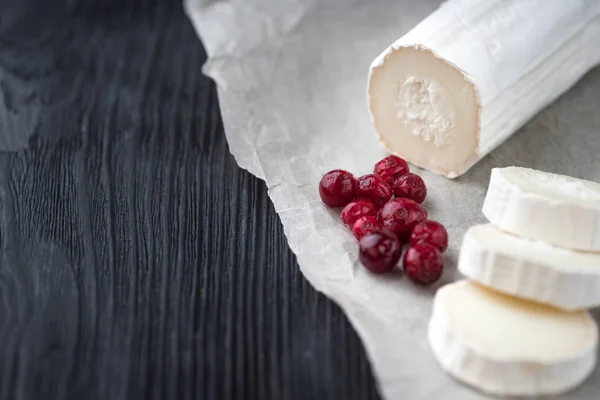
(356, 209)
(400, 216)
(391, 168)
(374, 188)
(430, 232)
(410, 186)
(365, 225)
(423, 263)
(337, 188)
(380, 251)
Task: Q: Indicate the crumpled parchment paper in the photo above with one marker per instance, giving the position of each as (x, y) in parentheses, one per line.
(291, 78)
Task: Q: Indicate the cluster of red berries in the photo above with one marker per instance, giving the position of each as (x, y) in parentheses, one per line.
(384, 211)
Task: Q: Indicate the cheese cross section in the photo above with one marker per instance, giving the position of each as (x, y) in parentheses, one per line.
(507, 346)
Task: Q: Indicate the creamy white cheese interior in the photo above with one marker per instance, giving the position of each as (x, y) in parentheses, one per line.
(427, 109)
(505, 327)
(424, 110)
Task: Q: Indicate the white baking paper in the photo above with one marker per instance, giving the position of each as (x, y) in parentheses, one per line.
(291, 78)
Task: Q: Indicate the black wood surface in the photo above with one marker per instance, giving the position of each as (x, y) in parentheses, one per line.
(137, 261)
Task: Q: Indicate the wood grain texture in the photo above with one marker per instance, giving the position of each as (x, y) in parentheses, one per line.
(137, 261)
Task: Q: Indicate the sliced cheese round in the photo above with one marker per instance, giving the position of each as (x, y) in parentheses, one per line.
(530, 269)
(506, 346)
(557, 209)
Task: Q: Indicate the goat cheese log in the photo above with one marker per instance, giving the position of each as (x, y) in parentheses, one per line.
(473, 72)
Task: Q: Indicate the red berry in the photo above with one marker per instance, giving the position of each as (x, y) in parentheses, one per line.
(374, 188)
(337, 188)
(356, 209)
(410, 186)
(430, 232)
(400, 216)
(391, 168)
(380, 251)
(423, 263)
(365, 225)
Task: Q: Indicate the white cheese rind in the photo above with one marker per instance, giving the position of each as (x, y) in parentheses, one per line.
(530, 270)
(518, 55)
(460, 354)
(553, 208)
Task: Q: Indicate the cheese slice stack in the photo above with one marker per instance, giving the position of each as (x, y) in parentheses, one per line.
(519, 327)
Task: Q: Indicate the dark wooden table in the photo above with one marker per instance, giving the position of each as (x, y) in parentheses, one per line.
(137, 261)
